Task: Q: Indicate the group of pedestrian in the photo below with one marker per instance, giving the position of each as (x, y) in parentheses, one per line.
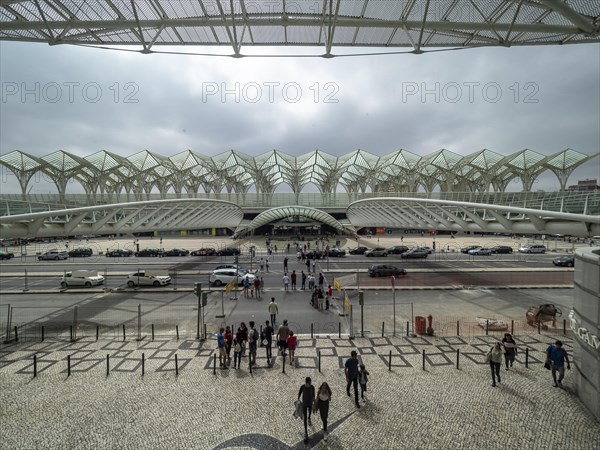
(252, 287)
(310, 401)
(556, 357)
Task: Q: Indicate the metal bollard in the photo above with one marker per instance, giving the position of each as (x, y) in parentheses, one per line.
(42, 333)
(564, 326)
(423, 359)
(176, 366)
(177, 331)
(512, 326)
(107, 364)
(527, 358)
(539, 327)
(407, 327)
(123, 331)
(382, 328)
(487, 327)
(390, 362)
(250, 362)
(143, 363)
(214, 364)
(152, 331)
(71, 332)
(283, 365)
(16, 335)
(311, 330)
(97, 331)
(68, 365)
(458, 328)
(340, 330)
(319, 353)
(457, 358)
(34, 366)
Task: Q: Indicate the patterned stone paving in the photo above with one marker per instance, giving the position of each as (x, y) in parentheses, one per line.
(442, 407)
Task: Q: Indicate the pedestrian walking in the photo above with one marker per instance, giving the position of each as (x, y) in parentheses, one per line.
(221, 347)
(494, 358)
(329, 297)
(267, 264)
(285, 264)
(320, 299)
(323, 399)
(307, 392)
(556, 357)
(510, 350)
(303, 278)
(286, 281)
(363, 378)
(288, 248)
(292, 343)
(273, 310)
(307, 264)
(246, 283)
(252, 341)
(351, 372)
(257, 286)
(262, 264)
(282, 334)
(237, 353)
(228, 343)
(267, 340)
(311, 281)
(321, 280)
(314, 264)
(293, 278)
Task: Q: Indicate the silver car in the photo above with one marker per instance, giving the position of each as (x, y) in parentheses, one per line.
(53, 255)
(377, 251)
(532, 248)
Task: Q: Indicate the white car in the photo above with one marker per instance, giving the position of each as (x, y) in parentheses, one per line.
(53, 254)
(221, 277)
(481, 251)
(532, 248)
(148, 278)
(85, 278)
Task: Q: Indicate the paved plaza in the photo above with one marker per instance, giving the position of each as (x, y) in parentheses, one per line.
(189, 406)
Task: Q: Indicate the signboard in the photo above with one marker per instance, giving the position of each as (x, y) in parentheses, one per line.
(230, 286)
(337, 285)
(347, 302)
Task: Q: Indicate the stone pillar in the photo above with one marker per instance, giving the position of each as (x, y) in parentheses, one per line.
(584, 322)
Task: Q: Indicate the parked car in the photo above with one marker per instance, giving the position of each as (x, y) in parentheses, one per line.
(397, 249)
(481, 251)
(466, 250)
(377, 251)
(429, 250)
(414, 252)
(53, 255)
(207, 251)
(502, 249)
(564, 261)
(384, 270)
(81, 252)
(148, 278)
(119, 252)
(149, 252)
(6, 255)
(177, 252)
(228, 251)
(358, 251)
(221, 277)
(231, 266)
(532, 248)
(85, 278)
(335, 252)
(314, 254)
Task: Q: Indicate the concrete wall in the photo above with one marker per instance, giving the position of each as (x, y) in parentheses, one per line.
(585, 321)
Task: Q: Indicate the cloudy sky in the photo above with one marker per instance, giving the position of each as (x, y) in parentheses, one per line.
(83, 100)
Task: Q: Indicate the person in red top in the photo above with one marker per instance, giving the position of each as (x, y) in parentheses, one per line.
(293, 277)
(292, 342)
(257, 286)
(329, 296)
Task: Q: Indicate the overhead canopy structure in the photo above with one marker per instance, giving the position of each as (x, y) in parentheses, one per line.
(105, 173)
(417, 25)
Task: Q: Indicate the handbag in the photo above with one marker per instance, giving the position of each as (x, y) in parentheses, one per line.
(547, 365)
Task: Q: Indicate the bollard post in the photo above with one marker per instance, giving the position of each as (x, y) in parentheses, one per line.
(107, 364)
(42, 333)
(74, 337)
(487, 327)
(512, 327)
(423, 359)
(16, 334)
(71, 332)
(564, 326)
(177, 331)
(176, 366)
(539, 326)
(382, 328)
(407, 326)
(204, 337)
(527, 358)
(152, 331)
(457, 358)
(250, 362)
(283, 365)
(139, 322)
(390, 362)
(68, 365)
(143, 363)
(214, 364)
(34, 366)
(340, 330)
(458, 328)
(311, 330)
(123, 331)
(97, 331)
(319, 352)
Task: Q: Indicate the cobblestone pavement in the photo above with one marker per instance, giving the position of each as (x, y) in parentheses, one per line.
(441, 407)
